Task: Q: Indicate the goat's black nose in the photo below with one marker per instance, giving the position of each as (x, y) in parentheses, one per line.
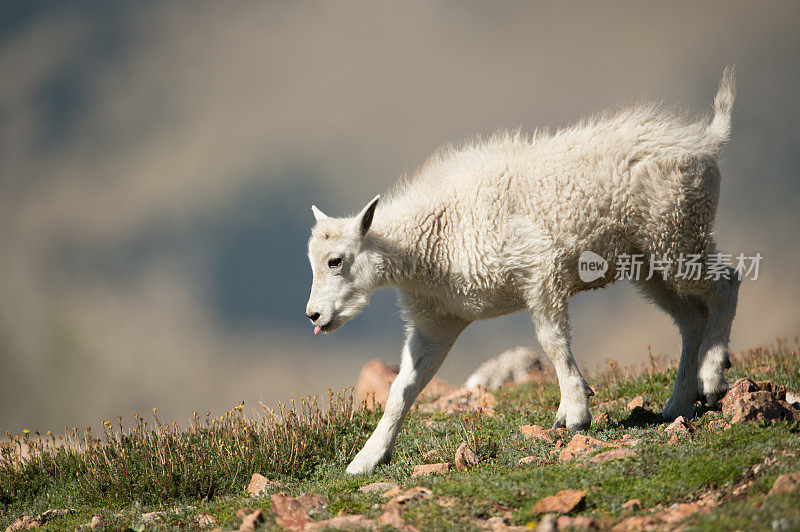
(313, 317)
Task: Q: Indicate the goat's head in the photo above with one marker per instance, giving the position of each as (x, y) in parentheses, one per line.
(343, 276)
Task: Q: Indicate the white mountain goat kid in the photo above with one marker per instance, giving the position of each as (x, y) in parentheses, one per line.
(498, 226)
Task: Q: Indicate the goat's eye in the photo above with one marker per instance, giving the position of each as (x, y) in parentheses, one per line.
(335, 262)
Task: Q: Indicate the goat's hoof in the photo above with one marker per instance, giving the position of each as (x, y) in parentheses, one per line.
(711, 399)
(560, 423)
(580, 425)
(359, 468)
(676, 408)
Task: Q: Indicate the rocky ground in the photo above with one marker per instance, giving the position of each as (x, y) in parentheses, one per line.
(478, 459)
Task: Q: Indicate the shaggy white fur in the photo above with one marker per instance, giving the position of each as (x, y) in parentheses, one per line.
(498, 226)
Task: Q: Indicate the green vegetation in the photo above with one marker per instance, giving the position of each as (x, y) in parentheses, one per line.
(157, 466)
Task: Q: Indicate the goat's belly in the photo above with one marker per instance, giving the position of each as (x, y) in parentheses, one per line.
(481, 305)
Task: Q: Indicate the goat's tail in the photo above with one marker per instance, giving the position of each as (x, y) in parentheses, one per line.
(719, 129)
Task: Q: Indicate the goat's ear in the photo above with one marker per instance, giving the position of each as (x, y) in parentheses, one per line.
(318, 214)
(364, 218)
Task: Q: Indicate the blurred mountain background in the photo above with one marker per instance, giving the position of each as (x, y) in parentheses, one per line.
(158, 161)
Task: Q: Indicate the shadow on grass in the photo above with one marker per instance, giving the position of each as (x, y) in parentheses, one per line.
(641, 418)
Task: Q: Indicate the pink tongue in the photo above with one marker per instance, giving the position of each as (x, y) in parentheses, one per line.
(317, 329)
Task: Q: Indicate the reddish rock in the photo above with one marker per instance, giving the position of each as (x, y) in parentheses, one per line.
(203, 520)
(760, 406)
(343, 522)
(465, 457)
(412, 494)
(580, 445)
(601, 418)
(463, 400)
(250, 521)
(778, 390)
(613, 454)
(632, 505)
(740, 388)
(429, 469)
(377, 376)
(289, 513)
(525, 460)
(312, 503)
(787, 483)
(678, 512)
(23, 523)
(637, 522)
(377, 487)
(393, 492)
(540, 433)
(679, 426)
(637, 402)
(259, 484)
(627, 440)
(563, 502)
(242, 512)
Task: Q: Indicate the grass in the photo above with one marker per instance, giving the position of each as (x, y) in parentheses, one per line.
(154, 465)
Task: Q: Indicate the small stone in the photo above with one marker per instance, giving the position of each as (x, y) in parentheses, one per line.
(563, 502)
(465, 457)
(430, 455)
(23, 523)
(740, 388)
(579, 522)
(580, 445)
(430, 469)
(312, 503)
(679, 426)
(259, 484)
(151, 516)
(289, 513)
(251, 520)
(632, 505)
(613, 454)
(536, 432)
(759, 406)
(678, 512)
(601, 418)
(778, 390)
(525, 460)
(377, 487)
(786, 483)
(637, 402)
(96, 522)
(343, 522)
(205, 520)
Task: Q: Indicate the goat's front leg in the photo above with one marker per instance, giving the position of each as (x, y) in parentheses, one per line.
(427, 343)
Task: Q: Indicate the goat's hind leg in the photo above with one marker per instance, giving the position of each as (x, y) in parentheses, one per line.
(690, 314)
